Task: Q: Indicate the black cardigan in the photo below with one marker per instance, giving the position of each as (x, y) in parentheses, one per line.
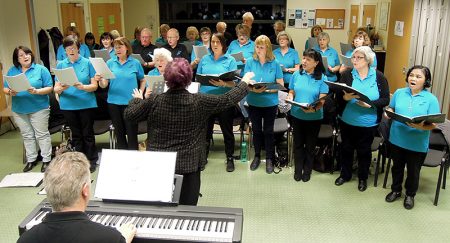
(383, 89)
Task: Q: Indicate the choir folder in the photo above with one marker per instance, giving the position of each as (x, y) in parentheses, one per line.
(433, 118)
(307, 105)
(203, 79)
(341, 86)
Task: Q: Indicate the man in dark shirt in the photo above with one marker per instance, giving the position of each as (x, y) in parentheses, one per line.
(279, 26)
(68, 186)
(177, 50)
(221, 27)
(145, 48)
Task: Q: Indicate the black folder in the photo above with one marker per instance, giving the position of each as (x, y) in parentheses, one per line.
(203, 79)
(268, 85)
(348, 89)
(433, 118)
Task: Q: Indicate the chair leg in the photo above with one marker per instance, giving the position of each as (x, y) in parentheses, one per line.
(438, 186)
(290, 148)
(377, 168)
(12, 123)
(445, 177)
(387, 172)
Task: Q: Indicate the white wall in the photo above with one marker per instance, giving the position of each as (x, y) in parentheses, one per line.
(46, 14)
(144, 13)
(299, 36)
(13, 30)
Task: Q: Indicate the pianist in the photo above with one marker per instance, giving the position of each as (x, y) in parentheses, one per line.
(68, 186)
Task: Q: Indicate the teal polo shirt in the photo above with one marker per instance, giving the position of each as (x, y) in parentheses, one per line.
(307, 90)
(269, 72)
(208, 65)
(333, 60)
(288, 60)
(128, 75)
(24, 102)
(84, 52)
(405, 103)
(356, 115)
(247, 49)
(73, 98)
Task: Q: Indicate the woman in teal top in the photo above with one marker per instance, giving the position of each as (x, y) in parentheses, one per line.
(129, 76)
(359, 120)
(83, 49)
(31, 108)
(287, 57)
(331, 54)
(263, 103)
(307, 85)
(242, 44)
(205, 34)
(78, 102)
(315, 31)
(106, 39)
(409, 142)
(359, 39)
(217, 63)
(161, 57)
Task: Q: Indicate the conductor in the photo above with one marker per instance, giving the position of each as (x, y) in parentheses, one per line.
(68, 186)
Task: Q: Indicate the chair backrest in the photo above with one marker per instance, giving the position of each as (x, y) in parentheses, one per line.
(437, 140)
(384, 128)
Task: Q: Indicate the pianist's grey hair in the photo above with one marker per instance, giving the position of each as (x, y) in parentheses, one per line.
(369, 55)
(64, 179)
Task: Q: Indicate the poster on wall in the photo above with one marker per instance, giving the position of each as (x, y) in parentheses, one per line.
(311, 17)
(291, 17)
(398, 31)
(302, 18)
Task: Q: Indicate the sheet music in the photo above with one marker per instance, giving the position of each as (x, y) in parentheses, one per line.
(155, 83)
(138, 57)
(22, 179)
(102, 54)
(189, 45)
(66, 76)
(325, 62)
(312, 42)
(347, 61)
(18, 82)
(345, 48)
(136, 175)
(192, 88)
(200, 51)
(238, 56)
(101, 68)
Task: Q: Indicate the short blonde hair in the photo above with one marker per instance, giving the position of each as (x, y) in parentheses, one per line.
(369, 55)
(115, 33)
(248, 15)
(263, 40)
(242, 28)
(192, 29)
(162, 52)
(65, 178)
(284, 34)
(164, 28)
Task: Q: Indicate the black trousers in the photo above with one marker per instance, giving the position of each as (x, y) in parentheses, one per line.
(81, 124)
(359, 139)
(123, 128)
(190, 189)
(263, 119)
(226, 125)
(413, 161)
(305, 139)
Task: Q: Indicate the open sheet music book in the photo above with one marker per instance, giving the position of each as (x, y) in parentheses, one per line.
(138, 57)
(66, 76)
(307, 105)
(200, 51)
(238, 56)
(433, 118)
(142, 176)
(203, 79)
(18, 82)
(348, 89)
(345, 48)
(347, 61)
(325, 62)
(268, 85)
(102, 54)
(101, 68)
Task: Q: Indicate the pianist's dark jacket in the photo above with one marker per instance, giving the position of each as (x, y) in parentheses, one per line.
(177, 121)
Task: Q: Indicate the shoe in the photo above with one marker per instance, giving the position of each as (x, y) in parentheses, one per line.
(297, 176)
(230, 164)
(255, 163)
(339, 181)
(269, 166)
(29, 166)
(409, 202)
(362, 185)
(392, 196)
(44, 166)
(306, 177)
(93, 168)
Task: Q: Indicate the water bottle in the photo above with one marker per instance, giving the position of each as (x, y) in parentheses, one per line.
(244, 151)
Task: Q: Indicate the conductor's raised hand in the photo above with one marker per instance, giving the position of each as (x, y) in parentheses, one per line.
(128, 231)
(349, 96)
(137, 93)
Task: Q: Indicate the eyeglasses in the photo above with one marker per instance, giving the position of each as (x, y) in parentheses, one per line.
(71, 49)
(205, 34)
(358, 58)
(172, 37)
(24, 55)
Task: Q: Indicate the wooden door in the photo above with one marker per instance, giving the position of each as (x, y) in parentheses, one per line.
(72, 14)
(105, 17)
(2, 95)
(369, 15)
(354, 22)
(397, 51)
